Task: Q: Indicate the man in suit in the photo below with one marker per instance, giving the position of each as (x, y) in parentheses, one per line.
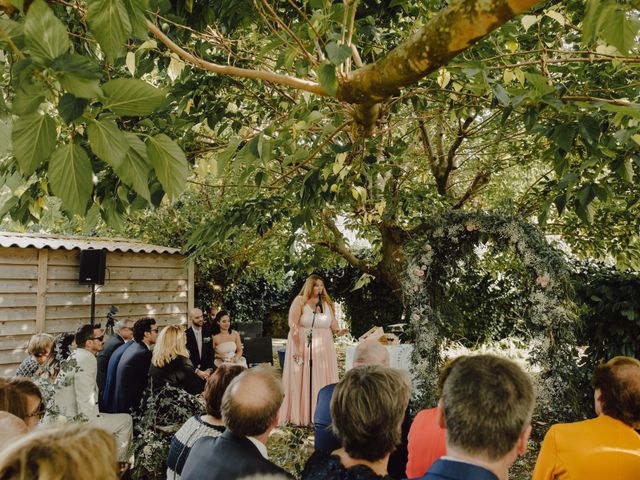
(250, 411)
(89, 341)
(367, 353)
(485, 408)
(607, 446)
(108, 396)
(122, 331)
(133, 369)
(199, 344)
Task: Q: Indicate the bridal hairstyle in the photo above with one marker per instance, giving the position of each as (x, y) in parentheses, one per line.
(71, 451)
(171, 342)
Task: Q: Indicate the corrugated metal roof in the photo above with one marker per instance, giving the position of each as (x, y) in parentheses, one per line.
(55, 242)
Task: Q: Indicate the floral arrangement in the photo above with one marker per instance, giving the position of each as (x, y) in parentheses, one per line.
(445, 243)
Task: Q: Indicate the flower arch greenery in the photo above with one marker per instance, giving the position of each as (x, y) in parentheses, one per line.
(442, 247)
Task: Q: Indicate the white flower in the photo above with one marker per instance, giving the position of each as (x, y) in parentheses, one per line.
(543, 280)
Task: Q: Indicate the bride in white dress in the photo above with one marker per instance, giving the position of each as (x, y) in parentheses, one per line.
(226, 343)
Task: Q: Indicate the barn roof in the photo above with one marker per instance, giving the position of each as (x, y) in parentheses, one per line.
(55, 242)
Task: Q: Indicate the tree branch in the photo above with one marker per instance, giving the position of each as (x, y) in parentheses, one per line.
(479, 181)
(340, 247)
(270, 77)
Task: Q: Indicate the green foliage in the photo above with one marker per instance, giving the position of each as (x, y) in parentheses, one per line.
(610, 312)
(70, 176)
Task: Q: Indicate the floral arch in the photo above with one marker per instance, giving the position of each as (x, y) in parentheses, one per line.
(550, 314)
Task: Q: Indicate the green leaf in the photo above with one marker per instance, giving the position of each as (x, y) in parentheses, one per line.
(625, 170)
(14, 30)
(33, 138)
(328, 79)
(593, 19)
(539, 83)
(134, 171)
(563, 136)
(46, 36)
(128, 96)
(91, 219)
(5, 136)
(71, 177)
(27, 98)
(501, 94)
(169, 162)
(109, 23)
(78, 75)
(136, 10)
(620, 30)
(337, 53)
(107, 141)
(71, 107)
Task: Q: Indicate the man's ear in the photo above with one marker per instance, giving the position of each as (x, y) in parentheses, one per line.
(523, 439)
(440, 414)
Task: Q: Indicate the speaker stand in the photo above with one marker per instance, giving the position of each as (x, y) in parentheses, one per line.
(93, 303)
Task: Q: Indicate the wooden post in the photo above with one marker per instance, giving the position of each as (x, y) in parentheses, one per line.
(191, 273)
(41, 305)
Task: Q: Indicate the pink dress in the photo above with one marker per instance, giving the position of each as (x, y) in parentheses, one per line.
(295, 408)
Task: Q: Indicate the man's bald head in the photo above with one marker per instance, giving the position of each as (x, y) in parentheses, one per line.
(251, 402)
(371, 352)
(195, 317)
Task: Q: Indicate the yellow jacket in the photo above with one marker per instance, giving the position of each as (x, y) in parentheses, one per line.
(602, 448)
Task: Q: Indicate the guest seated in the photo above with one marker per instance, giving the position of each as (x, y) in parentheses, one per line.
(132, 370)
(486, 408)
(226, 342)
(607, 446)
(122, 332)
(199, 344)
(367, 409)
(198, 426)
(170, 364)
(67, 452)
(250, 411)
(427, 439)
(39, 347)
(29, 393)
(367, 353)
(59, 353)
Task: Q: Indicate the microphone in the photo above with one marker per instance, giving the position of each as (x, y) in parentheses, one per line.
(319, 304)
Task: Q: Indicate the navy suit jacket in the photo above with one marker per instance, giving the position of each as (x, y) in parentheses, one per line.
(226, 457)
(132, 376)
(110, 346)
(324, 439)
(108, 395)
(206, 362)
(444, 469)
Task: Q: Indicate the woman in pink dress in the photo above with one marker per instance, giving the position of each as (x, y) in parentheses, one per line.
(311, 313)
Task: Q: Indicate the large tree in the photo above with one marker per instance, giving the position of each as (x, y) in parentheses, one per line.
(309, 116)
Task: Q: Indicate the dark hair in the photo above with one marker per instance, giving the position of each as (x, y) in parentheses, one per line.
(488, 402)
(216, 385)
(215, 329)
(85, 333)
(142, 325)
(619, 383)
(12, 400)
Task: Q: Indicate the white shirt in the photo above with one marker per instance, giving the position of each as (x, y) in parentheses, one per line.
(197, 332)
(262, 448)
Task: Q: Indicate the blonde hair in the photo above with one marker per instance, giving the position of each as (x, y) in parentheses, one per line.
(69, 452)
(171, 342)
(40, 344)
(307, 292)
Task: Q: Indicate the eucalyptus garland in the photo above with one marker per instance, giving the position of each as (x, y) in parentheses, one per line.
(443, 244)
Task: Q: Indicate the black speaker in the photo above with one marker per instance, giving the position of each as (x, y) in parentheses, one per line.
(92, 267)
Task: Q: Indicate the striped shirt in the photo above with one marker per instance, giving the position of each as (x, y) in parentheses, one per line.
(183, 440)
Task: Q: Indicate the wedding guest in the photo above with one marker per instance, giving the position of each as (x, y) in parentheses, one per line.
(250, 412)
(73, 451)
(607, 446)
(226, 342)
(122, 332)
(311, 317)
(170, 364)
(367, 409)
(30, 394)
(199, 344)
(485, 408)
(198, 426)
(38, 348)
